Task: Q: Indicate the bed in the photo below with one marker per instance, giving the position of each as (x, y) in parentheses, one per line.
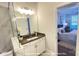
(69, 37)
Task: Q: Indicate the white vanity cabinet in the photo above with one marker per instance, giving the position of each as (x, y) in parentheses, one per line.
(40, 46)
(35, 47)
(29, 48)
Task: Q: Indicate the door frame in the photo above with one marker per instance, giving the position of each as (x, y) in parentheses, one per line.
(77, 48)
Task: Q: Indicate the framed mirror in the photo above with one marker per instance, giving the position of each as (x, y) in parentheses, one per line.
(24, 18)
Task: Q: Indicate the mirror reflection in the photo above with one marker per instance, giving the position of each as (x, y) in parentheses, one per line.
(25, 19)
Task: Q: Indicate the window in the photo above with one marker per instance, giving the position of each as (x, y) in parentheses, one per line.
(74, 20)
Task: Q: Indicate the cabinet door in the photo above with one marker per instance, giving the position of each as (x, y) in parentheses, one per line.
(41, 46)
(33, 48)
(30, 49)
(27, 49)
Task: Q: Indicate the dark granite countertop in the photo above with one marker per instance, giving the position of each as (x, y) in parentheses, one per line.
(25, 37)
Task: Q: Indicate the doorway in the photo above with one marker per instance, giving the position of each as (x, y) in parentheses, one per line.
(67, 26)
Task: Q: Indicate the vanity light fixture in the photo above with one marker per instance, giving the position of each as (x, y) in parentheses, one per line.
(25, 11)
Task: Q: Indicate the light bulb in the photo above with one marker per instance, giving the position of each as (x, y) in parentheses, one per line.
(25, 11)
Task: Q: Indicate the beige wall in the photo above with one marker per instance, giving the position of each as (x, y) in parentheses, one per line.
(5, 29)
(47, 23)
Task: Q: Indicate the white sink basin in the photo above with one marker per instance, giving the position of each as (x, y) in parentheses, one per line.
(32, 38)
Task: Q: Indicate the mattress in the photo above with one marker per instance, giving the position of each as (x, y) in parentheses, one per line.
(69, 37)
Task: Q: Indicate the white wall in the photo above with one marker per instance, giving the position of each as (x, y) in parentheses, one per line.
(77, 44)
(4, 4)
(47, 23)
(5, 29)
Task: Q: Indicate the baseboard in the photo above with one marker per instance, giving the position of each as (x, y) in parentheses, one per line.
(51, 53)
(42, 53)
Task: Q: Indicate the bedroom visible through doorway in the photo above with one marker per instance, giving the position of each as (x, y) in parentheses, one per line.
(67, 26)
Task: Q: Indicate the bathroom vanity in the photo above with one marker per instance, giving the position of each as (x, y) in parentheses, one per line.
(30, 45)
(33, 45)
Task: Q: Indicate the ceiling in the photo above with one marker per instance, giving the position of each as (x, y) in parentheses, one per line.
(68, 10)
